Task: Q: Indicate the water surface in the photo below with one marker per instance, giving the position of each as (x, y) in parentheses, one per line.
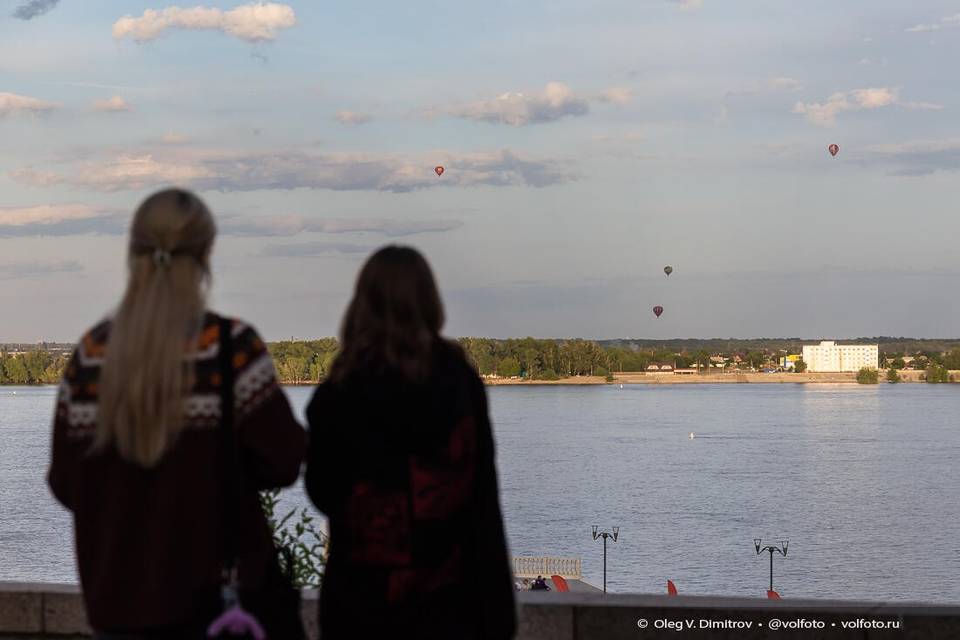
(861, 479)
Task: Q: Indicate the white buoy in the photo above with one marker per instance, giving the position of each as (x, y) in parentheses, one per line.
(691, 435)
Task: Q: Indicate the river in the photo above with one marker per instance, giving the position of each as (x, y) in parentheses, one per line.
(862, 480)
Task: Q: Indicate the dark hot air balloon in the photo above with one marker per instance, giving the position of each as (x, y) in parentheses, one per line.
(657, 310)
(668, 269)
(833, 149)
(439, 170)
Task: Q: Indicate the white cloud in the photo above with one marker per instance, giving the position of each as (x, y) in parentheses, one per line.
(113, 104)
(923, 106)
(689, 5)
(123, 173)
(556, 101)
(13, 104)
(784, 84)
(18, 270)
(825, 114)
(45, 214)
(918, 157)
(291, 225)
(352, 117)
(616, 95)
(254, 22)
(59, 220)
(947, 22)
(174, 138)
(770, 85)
(233, 171)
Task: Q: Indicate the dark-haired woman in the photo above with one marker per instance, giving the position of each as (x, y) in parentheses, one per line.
(137, 441)
(401, 461)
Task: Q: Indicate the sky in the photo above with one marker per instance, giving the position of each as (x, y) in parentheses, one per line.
(585, 146)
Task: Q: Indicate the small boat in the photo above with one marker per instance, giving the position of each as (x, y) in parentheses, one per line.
(691, 435)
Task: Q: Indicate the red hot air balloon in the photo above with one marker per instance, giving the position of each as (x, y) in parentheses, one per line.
(834, 150)
(657, 310)
(439, 170)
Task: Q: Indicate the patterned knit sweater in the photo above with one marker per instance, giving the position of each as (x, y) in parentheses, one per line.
(149, 541)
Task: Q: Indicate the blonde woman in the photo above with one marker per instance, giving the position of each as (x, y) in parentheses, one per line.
(138, 445)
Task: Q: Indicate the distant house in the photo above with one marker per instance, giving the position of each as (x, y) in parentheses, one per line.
(653, 367)
(666, 367)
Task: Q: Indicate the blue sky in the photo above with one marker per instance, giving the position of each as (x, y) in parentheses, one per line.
(587, 145)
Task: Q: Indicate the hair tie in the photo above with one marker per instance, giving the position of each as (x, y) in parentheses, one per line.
(162, 257)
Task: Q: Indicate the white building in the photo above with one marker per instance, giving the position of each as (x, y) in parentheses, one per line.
(833, 357)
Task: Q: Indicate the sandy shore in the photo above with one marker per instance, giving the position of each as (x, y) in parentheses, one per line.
(711, 378)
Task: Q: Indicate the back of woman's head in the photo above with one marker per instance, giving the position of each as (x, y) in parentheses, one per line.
(145, 377)
(393, 322)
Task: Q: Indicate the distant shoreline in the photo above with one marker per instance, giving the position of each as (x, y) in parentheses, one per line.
(706, 378)
(660, 378)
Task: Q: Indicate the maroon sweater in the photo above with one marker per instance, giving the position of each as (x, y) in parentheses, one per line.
(149, 541)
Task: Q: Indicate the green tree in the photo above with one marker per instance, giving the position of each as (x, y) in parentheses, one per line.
(898, 363)
(893, 376)
(509, 367)
(868, 375)
(937, 374)
(16, 370)
(800, 366)
(952, 360)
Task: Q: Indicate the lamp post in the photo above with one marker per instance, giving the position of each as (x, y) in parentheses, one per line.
(605, 535)
(781, 549)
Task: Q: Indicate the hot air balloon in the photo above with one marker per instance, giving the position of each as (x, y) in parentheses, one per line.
(833, 149)
(668, 269)
(439, 170)
(657, 310)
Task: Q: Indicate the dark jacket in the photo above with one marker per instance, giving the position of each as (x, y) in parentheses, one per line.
(405, 473)
(149, 541)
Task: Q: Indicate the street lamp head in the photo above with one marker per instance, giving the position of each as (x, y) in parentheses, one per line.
(785, 543)
(616, 532)
(595, 532)
(756, 543)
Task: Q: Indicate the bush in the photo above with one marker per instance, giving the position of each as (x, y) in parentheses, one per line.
(609, 377)
(868, 375)
(937, 374)
(601, 371)
(892, 375)
(799, 366)
(303, 551)
(549, 374)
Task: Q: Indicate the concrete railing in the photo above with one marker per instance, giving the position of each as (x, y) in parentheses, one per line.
(533, 566)
(39, 611)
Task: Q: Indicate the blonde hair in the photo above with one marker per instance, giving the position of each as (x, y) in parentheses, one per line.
(145, 377)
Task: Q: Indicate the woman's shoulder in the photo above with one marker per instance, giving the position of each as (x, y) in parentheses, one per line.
(92, 346)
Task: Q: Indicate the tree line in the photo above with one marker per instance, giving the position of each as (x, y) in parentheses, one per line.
(304, 362)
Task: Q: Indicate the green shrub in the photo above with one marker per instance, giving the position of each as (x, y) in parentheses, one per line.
(304, 547)
(892, 375)
(868, 375)
(937, 374)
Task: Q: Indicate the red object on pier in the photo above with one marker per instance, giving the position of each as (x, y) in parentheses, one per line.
(773, 595)
(560, 583)
(671, 588)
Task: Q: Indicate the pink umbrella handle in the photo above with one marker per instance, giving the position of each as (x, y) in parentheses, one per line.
(236, 621)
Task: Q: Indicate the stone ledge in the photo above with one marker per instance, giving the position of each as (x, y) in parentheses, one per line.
(49, 611)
